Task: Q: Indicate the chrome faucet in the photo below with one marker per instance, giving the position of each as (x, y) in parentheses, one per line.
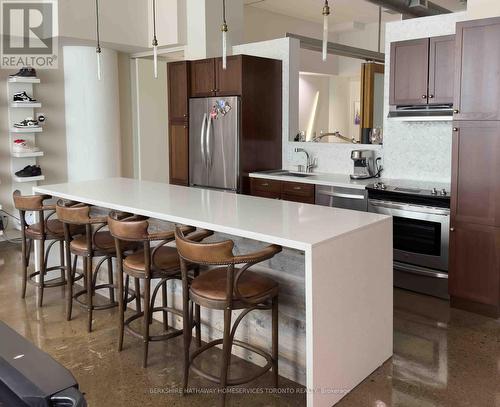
(310, 162)
(334, 134)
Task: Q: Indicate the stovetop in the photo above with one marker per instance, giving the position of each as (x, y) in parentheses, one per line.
(416, 192)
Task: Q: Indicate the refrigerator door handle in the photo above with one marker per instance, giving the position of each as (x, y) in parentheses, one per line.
(209, 150)
(202, 139)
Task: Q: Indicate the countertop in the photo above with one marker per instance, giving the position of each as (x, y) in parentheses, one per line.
(344, 180)
(290, 224)
(318, 178)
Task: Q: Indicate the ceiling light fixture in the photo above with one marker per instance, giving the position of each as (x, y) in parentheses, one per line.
(224, 30)
(155, 42)
(326, 13)
(98, 45)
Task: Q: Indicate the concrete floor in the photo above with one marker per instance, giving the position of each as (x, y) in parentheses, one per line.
(442, 357)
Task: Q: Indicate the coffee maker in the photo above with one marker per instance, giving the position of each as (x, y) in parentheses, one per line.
(364, 164)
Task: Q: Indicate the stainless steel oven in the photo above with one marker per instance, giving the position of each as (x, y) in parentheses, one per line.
(421, 223)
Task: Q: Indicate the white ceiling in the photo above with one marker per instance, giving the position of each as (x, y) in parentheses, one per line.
(342, 10)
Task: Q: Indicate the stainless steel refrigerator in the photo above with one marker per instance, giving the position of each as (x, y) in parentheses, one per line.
(214, 137)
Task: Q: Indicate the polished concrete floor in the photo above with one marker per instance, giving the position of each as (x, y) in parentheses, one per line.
(442, 357)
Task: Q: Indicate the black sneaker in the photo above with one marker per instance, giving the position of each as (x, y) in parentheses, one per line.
(29, 171)
(23, 97)
(27, 123)
(25, 73)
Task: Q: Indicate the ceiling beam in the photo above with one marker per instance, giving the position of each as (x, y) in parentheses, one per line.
(313, 44)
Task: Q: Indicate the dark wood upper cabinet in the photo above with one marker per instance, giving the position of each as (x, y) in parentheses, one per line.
(178, 91)
(441, 69)
(409, 76)
(179, 154)
(422, 71)
(475, 169)
(477, 73)
(203, 78)
(229, 80)
(474, 274)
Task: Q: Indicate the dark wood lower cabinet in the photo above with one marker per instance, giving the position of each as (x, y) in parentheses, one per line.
(179, 154)
(474, 275)
(287, 191)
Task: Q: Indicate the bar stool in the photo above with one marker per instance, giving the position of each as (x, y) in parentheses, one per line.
(227, 288)
(159, 262)
(45, 230)
(95, 242)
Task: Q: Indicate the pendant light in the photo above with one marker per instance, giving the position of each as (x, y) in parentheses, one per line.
(98, 45)
(326, 13)
(224, 30)
(155, 43)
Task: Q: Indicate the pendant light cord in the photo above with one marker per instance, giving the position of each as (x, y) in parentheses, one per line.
(98, 48)
(224, 11)
(155, 41)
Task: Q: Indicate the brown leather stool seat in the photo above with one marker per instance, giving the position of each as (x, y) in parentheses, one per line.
(104, 243)
(54, 229)
(165, 258)
(212, 285)
(227, 288)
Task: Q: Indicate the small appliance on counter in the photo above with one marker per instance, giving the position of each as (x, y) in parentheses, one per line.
(421, 227)
(365, 165)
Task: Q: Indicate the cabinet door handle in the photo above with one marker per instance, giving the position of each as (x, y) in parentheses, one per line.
(297, 188)
(264, 184)
(456, 111)
(431, 96)
(455, 129)
(452, 229)
(185, 115)
(424, 96)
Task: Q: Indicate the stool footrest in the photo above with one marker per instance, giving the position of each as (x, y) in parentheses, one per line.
(54, 282)
(236, 381)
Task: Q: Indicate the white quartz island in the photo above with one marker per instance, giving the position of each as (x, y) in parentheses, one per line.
(348, 266)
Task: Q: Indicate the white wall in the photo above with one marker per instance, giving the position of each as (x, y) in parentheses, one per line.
(482, 9)
(92, 114)
(150, 121)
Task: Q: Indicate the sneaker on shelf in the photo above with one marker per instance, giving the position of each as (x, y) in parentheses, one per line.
(28, 122)
(29, 171)
(23, 97)
(26, 72)
(22, 146)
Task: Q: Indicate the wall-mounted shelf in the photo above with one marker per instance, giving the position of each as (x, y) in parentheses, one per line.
(26, 129)
(28, 179)
(20, 79)
(27, 155)
(29, 105)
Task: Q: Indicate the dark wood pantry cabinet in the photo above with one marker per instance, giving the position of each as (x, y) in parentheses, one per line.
(421, 71)
(178, 119)
(477, 74)
(474, 275)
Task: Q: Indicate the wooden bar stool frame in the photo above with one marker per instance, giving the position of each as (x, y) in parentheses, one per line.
(76, 213)
(134, 228)
(221, 254)
(42, 232)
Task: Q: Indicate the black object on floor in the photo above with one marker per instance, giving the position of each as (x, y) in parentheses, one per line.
(30, 171)
(26, 72)
(30, 377)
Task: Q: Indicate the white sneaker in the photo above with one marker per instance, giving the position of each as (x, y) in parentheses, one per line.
(23, 146)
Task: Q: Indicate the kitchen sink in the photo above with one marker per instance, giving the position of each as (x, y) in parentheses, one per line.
(290, 173)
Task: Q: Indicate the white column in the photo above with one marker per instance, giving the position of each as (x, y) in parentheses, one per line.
(92, 114)
(204, 18)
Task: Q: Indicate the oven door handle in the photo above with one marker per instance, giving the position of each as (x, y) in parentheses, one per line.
(411, 208)
(339, 195)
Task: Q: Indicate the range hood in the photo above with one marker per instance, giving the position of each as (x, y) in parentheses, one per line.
(422, 113)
